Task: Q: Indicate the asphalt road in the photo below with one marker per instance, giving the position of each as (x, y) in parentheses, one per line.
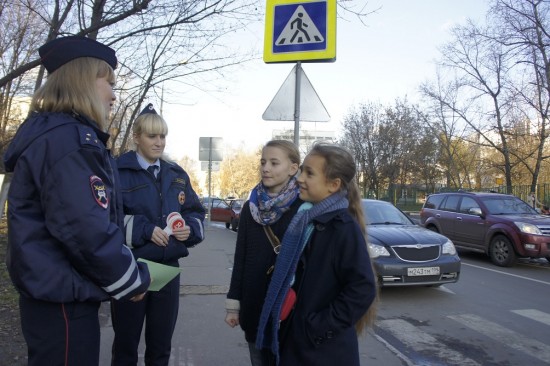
(491, 316)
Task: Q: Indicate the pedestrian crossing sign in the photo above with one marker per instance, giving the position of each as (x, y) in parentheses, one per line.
(300, 30)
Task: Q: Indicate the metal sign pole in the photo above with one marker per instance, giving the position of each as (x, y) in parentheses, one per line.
(297, 104)
(209, 178)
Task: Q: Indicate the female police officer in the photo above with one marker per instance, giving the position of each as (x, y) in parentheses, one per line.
(152, 189)
(66, 250)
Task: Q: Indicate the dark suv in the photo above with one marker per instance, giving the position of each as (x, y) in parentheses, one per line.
(500, 225)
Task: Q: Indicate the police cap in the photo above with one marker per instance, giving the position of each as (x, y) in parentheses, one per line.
(148, 109)
(59, 51)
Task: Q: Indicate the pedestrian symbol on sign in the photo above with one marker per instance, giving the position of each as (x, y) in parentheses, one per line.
(300, 29)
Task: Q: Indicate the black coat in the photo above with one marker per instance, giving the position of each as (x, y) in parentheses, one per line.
(336, 286)
(253, 257)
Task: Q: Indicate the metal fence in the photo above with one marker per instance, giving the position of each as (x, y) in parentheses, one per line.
(411, 198)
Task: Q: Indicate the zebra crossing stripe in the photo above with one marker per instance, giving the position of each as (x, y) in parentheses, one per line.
(533, 314)
(492, 330)
(423, 342)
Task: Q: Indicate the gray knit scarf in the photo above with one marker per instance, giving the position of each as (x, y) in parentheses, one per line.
(267, 209)
(285, 266)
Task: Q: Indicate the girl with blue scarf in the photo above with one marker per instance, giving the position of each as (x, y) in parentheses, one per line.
(272, 203)
(324, 258)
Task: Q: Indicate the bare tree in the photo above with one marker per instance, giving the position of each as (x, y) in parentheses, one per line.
(20, 30)
(159, 47)
(482, 101)
(446, 126)
(361, 129)
(523, 28)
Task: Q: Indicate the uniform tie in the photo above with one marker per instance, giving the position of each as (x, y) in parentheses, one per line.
(151, 169)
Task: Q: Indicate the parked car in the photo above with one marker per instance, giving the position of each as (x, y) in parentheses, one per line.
(499, 225)
(206, 202)
(404, 253)
(228, 211)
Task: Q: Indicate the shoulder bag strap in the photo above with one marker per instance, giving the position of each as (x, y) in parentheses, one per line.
(272, 239)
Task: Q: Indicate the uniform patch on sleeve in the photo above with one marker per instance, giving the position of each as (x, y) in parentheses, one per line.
(99, 191)
(181, 197)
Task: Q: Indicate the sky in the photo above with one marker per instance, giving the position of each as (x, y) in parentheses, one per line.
(381, 61)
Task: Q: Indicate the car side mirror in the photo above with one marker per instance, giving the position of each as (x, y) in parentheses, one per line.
(475, 211)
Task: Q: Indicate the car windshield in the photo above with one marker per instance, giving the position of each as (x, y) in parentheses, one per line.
(507, 206)
(384, 214)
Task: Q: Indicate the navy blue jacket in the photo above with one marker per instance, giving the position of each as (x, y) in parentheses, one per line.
(335, 287)
(147, 205)
(64, 214)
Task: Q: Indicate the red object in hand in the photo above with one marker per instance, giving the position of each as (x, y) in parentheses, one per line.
(288, 303)
(172, 214)
(177, 223)
(174, 221)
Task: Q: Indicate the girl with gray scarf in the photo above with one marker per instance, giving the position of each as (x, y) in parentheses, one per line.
(324, 258)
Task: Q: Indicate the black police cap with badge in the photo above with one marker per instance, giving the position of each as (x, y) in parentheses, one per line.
(59, 51)
(148, 109)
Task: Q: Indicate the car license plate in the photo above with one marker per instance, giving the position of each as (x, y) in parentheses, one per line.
(423, 271)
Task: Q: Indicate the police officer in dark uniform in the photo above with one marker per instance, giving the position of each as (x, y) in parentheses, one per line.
(153, 190)
(66, 251)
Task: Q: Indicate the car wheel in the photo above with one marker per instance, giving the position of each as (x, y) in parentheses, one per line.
(502, 252)
(432, 228)
(227, 225)
(234, 225)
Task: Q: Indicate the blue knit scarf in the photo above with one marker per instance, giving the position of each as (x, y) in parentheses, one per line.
(267, 209)
(293, 242)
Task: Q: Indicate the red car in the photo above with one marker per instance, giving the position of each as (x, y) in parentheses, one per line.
(500, 225)
(228, 211)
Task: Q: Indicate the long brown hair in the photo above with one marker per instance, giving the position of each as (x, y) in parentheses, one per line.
(340, 164)
(71, 88)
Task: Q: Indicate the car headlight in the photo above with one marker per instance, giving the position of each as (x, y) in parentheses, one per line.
(528, 228)
(449, 248)
(376, 251)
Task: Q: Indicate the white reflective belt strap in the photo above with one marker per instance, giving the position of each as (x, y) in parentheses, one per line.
(125, 277)
(129, 226)
(201, 227)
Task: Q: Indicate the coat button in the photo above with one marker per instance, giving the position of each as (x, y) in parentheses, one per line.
(318, 340)
(320, 227)
(329, 334)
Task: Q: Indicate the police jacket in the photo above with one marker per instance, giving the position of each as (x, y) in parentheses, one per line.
(64, 214)
(148, 201)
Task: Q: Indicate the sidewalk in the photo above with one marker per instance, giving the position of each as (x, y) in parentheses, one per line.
(201, 337)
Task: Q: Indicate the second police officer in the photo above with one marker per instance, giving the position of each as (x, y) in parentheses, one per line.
(152, 189)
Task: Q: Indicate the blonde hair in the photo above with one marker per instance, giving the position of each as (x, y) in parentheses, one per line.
(150, 124)
(71, 88)
(340, 164)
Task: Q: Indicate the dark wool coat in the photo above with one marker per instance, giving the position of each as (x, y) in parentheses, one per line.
(253, 257)
(336, 286)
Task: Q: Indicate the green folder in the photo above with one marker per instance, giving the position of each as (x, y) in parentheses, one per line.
(161, 274)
